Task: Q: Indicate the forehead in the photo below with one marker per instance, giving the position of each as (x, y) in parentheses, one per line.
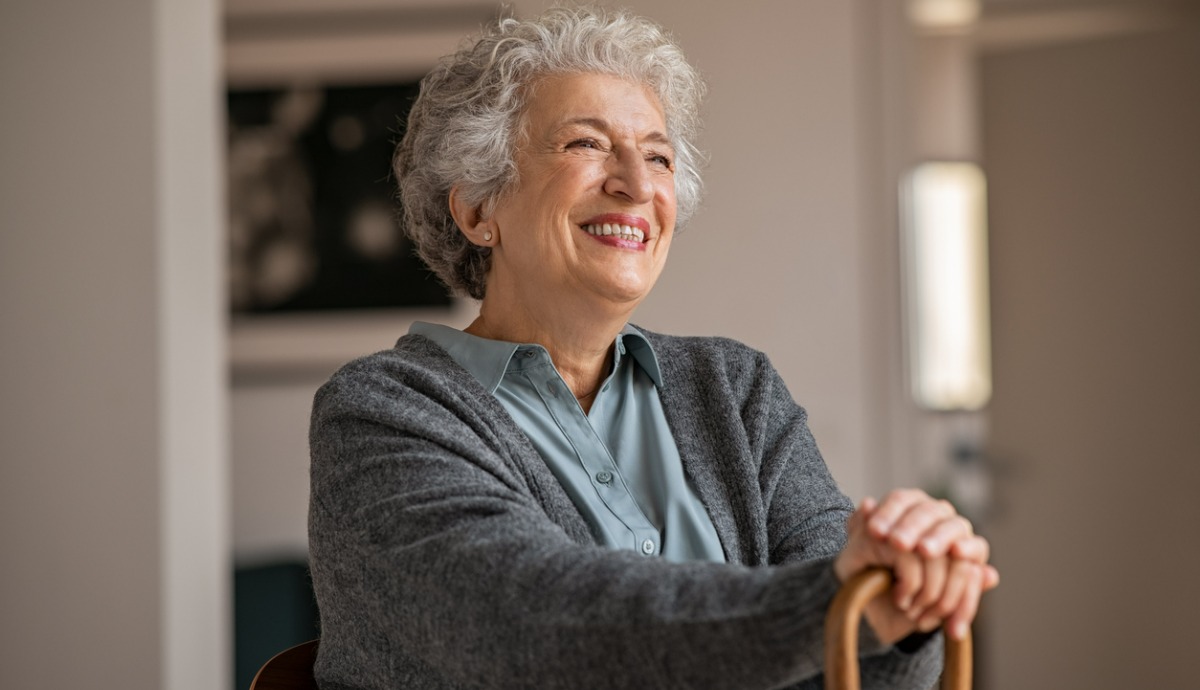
(559, 101)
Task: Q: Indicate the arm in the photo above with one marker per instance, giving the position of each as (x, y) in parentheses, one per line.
(808, 517)
(747, 447)
(939, 563)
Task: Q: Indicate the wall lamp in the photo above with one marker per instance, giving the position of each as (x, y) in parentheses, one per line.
(944, 228)
(944, 14)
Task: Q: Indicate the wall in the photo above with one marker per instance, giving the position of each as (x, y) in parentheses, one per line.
(113, 511)
(1092, 148)
(792, 252)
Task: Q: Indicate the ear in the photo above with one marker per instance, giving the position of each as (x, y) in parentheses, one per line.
(478, 230)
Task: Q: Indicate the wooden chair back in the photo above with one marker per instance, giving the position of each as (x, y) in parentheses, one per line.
(291, 669)
(841, 636)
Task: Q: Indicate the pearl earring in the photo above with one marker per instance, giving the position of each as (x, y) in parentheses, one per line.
(487, 235)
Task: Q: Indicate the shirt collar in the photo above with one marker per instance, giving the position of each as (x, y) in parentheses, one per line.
(636, 344)
(488, 360)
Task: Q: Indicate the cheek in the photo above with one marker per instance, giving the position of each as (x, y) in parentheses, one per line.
(575, 174)
(666, 203)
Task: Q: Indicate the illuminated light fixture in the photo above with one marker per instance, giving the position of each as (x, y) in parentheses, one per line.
(943, 14)
(944, 207)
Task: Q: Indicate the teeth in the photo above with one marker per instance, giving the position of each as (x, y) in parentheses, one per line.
(623, 231)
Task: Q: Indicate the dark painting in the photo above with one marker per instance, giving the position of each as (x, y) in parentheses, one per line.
(312, 204)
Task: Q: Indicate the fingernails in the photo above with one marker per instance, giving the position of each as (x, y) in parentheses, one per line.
(958, 631)
(931, 545)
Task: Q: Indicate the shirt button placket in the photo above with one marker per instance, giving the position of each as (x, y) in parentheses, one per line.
(648, 547)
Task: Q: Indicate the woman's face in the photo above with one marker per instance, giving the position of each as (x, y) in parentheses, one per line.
(593, 211)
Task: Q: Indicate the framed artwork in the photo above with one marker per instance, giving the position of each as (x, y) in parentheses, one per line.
(313, 220)
(318, 92)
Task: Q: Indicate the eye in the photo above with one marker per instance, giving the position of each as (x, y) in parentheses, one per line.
(585, 143)
(660, 159)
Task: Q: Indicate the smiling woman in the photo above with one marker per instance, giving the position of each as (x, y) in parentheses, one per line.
(585, 232)
(554, 498)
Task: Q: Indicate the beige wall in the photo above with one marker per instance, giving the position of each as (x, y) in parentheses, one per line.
(113, 516)
(1092, 146)
(792, 252)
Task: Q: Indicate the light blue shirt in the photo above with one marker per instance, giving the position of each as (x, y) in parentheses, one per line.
(618, 462)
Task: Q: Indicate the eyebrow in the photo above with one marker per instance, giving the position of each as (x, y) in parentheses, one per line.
(600, 124)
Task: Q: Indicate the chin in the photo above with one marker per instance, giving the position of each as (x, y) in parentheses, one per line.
(624, 295)
(620, 288)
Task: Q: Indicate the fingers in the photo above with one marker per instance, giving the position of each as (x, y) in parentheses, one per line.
(959, 622)
(953, 534)
(909, 575)
(958, 575)
(974, 548)
(861, 549)
(940, 565)
(911, 520)
(893, 507)
(860, 516)
(909, 517)
(991, 578)
(933, 588)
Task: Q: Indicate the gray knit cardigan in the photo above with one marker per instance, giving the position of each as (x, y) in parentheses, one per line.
(445, 554)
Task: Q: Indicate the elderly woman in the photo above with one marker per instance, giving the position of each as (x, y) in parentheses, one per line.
(553, 498)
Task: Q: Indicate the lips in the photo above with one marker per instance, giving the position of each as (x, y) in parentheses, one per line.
(624, 232)
(619, 225)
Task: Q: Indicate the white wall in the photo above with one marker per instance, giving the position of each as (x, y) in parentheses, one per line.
(792, 252)
(113, 518)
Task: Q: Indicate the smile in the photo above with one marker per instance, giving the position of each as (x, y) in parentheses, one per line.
(625, 232)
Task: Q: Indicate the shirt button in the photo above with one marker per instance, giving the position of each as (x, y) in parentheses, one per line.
(604, 477)
(648, 547)
(529, 353)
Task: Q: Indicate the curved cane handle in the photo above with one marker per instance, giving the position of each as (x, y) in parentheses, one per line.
(841, 636)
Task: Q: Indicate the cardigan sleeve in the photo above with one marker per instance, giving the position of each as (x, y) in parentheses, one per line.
(806, 520)
(435, 566)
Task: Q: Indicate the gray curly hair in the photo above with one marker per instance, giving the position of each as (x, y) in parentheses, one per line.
(464, 126)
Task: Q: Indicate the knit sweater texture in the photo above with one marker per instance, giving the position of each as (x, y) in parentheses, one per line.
(445, 555)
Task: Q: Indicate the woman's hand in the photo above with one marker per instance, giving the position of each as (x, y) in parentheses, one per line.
(940, 564)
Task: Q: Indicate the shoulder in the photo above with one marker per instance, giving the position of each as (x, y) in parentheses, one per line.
(698, 348)
(416, 368)
(686, 357)
(410, 354)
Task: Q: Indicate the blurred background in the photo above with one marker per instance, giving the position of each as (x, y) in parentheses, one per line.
(168, 305)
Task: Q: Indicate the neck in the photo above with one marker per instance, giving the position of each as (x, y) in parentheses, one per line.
(578, 338)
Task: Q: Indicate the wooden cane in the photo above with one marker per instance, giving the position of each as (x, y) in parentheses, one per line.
(841, 636)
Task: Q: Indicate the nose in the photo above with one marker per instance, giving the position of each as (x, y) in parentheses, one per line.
(629, 177)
